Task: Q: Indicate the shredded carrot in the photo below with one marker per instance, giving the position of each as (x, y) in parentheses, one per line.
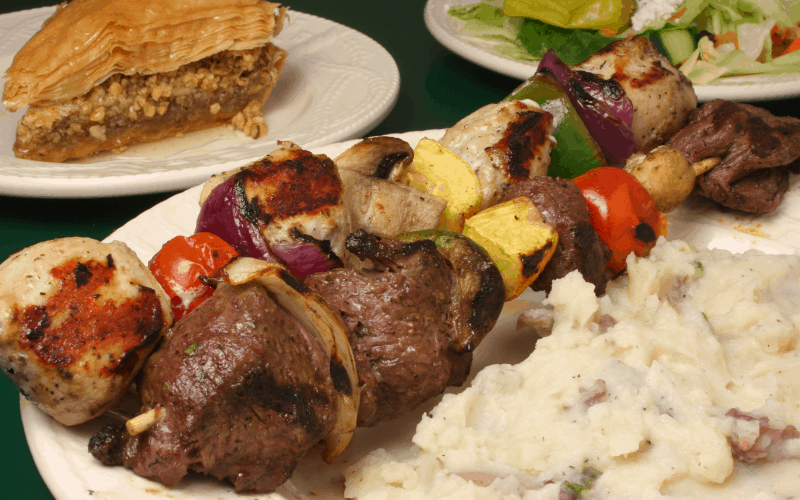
(677, 15)
(795, 45)
(607, 32)
(729, 36)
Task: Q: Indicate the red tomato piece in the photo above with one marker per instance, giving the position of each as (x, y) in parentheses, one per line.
(184, 262)
(622, 212)
(795, 45)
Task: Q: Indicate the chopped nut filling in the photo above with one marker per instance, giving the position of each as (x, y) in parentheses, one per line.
(230, 86)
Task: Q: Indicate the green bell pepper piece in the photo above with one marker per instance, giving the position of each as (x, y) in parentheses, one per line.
(576, 151)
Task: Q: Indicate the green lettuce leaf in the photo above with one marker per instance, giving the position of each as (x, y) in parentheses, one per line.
(570, 45)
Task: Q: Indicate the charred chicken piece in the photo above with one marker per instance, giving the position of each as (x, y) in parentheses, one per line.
(662, 97)
(400, 323)
(503, 143)
(246, 391)
(77, 319)
(757, 150)
(287, 206)
(579, 246)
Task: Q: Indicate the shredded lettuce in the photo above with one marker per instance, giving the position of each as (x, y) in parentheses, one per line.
(485, 20)
(528, 38)
(708, 63)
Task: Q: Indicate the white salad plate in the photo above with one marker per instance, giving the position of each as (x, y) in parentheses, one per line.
(446, 30)
(336, 84)
(71, 473)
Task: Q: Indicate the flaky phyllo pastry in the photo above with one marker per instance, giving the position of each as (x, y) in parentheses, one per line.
(102, 74)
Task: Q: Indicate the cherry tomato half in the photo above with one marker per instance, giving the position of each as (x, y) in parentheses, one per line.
(622, 212)
(181, 263)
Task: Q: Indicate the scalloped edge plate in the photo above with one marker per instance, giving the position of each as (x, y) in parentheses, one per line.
(60, 452)
(336, 84)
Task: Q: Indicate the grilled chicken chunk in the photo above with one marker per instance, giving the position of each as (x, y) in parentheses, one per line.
(662, 96)
(77, 320)
(503, 143)
(294, 197)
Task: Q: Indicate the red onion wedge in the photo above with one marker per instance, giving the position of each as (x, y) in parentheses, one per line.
(602, 105)
(286, 207)
(223, 214)
(306, 255)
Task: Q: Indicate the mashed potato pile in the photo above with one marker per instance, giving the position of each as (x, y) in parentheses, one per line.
(682, 382)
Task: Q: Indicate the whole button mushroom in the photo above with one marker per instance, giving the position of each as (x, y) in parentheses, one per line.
(667, 175)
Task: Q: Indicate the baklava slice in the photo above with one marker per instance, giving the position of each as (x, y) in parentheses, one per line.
(103, 74)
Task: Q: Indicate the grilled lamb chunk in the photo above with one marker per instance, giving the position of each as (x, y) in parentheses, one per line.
(579, 246)
(757, 149)
(398, 318)
(247, 391)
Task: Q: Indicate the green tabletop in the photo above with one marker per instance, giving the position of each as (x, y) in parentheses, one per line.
(437, 88)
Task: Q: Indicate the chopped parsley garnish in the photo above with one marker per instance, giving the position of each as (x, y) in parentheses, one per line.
(705, 317)
(588, 477)
(698, 270)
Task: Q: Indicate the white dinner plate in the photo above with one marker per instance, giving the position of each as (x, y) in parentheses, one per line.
(71, 472)
(336, 84)
(445, 29)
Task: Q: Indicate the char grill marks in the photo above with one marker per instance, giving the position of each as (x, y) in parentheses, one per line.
(502, 143)
(295, 183)
(522, 144)
(74, 325)
(399, 323)
(757, 150)
(247, 392)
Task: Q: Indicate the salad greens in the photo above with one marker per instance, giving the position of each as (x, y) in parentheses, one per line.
(526, 39)
(707, 39)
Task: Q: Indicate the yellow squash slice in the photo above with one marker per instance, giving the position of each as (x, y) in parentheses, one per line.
(517, 239)
(440, 172)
